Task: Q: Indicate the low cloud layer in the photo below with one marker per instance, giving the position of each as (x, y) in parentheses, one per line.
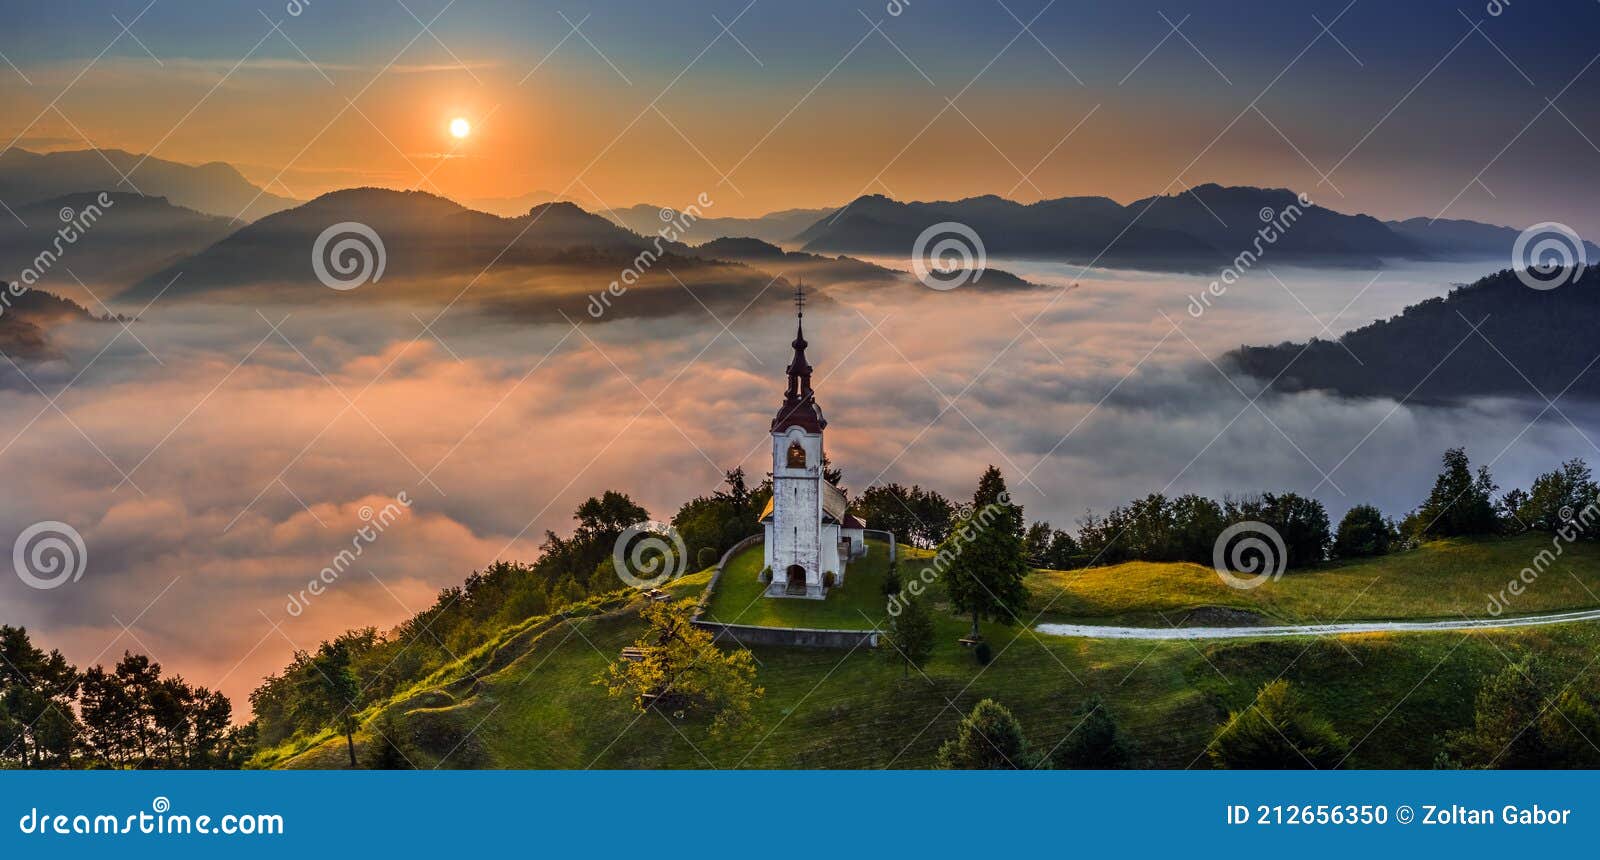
(251, 455)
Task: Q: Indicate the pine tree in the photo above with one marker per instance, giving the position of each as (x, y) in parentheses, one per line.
(1459, 504)
(989, 738)
(984, 561)
(1095, 743)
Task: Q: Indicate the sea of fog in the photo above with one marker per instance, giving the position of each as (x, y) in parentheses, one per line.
(214, 458)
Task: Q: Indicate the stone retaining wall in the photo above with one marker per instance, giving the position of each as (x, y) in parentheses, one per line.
(794, 637)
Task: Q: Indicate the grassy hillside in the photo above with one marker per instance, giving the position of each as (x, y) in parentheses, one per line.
(857, 605)
(1442, 579)
(527, 699)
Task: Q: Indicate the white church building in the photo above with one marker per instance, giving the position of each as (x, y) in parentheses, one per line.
(810, 536)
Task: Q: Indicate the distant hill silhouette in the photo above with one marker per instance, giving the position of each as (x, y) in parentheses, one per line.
(25, 322)
(214, 188)
(129, 238)
(773, 227)
(1449, 238)
(423, 235)
(1429, 353)
(828, 270)
(1195, 230)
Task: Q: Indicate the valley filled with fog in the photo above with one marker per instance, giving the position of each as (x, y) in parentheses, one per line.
(227, 451)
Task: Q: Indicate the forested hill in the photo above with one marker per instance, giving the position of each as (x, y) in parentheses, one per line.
(1527, 338)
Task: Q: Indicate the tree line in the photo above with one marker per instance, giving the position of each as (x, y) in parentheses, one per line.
(129, 716)
(1158, 528)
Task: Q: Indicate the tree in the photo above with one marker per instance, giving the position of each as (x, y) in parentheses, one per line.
(911, 635)
(135, 718)
(682, 668)
(921, 518)
(1095, 742)
(1277, 732)
(989, 738)
(1049, 548)
(1557, 497)
(1036, 543)
(712, 524)
(37, 726)
(1301, 522)
(334, 691)
(1522, 721)
(992, 492)
(982, 564)
(1196, 523)
(1363, 533)
(1459, 505)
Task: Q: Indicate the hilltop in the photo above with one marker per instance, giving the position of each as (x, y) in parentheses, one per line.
(524, 697)
(1525, 339)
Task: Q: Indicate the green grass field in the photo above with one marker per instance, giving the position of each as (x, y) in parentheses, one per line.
(1442, 579)
(1392, 695)
(856, 605)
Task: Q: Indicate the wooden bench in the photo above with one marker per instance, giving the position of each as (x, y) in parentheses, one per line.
(633, 654)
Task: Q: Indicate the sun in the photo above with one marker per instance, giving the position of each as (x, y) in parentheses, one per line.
(460, 128)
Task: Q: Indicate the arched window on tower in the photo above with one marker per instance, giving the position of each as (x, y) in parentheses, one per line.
(797, 456)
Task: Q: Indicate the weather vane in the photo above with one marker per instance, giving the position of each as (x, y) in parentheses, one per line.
(800, 299)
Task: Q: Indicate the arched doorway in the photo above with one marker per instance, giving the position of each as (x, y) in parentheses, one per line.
(796, 579)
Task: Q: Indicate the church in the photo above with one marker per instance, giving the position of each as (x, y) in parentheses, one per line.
(810, 536)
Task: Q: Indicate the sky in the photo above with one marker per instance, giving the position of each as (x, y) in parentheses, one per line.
(1474, 111)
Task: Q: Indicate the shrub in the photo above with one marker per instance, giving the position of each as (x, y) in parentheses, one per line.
(1523, 719)
(386, 750)
(989, 738)
(766, 575)
(1277, 732)
(1095, 743)
(706, 558)
(828, 579)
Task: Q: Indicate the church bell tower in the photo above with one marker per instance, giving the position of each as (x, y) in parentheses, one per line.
(794, 551)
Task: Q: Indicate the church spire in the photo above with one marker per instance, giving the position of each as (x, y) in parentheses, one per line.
(799, 402)
(799, 369)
